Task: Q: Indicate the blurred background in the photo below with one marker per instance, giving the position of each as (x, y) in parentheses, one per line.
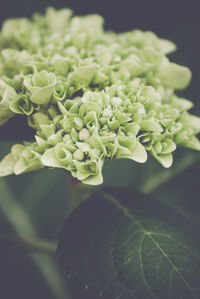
(35, 205)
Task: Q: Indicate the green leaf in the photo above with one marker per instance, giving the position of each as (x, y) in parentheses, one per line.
(149, 176)
(180, 193)
(14, 216)
(33, 275)
(130, 246)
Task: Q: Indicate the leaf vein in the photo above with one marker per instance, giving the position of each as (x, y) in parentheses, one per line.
(135, 221)
(142, 267)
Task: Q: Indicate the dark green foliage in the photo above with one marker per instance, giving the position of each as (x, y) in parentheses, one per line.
(126, 245)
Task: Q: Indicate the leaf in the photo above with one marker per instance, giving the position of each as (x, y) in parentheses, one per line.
(36, 192)
(180, 193)
(19, 223)
(149, 176)
(153, 176)
(126, 245)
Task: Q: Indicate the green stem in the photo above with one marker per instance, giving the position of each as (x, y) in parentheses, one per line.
(79, 192)
(31, 245)
(21, 224)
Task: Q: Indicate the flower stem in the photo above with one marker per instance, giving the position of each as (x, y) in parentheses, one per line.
(31, 245)
(79, 192)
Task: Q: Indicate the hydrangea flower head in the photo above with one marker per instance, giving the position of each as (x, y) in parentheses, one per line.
(91, 95)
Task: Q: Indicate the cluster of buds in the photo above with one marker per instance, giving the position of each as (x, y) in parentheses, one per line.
(91, 95)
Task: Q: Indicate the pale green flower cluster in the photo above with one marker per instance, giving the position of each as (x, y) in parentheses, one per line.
(91, 95)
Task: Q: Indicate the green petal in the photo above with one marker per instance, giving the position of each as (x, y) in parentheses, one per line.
(127, 142)
(83, 75)
(151, 125)
(17, 150)
(64, 111)
(61, 65)
(157, 147)
(40, 79)
(96, 142)
(49, 158)
(60, 92)
(28, 69)
(54, 139)
(181, 104)
(23, 166)
(41, 86)
(193, 121)
(47, 130)
(133, 65)
(150, 93)
(173, 75)
(7, 95)
(90, 172)
(132, 128)
(43, 96)
(139, 154)
(89, 107)
(83, 146)
(57, 19)
(38, 119)
(168, 146)
(22, 105)
(7, 165)
(166, 46)
(165, 160)
(122, 118)
(99, 78)
(193, 143)
(14, 59)
(129, 148)
(91, 121)
(62, 154)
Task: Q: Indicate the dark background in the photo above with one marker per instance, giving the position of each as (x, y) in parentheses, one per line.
(176, 20)
(160, 16)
